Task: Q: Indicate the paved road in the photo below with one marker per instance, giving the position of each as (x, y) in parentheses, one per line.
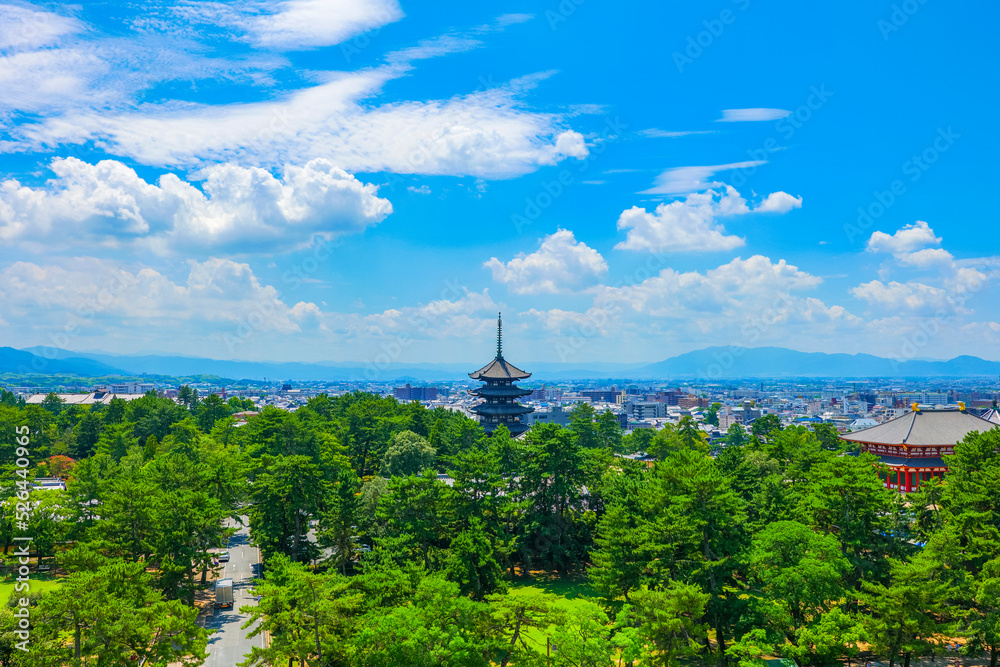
(228, 645)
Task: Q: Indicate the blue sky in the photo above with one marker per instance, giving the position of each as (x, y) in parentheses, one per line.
(372, 180)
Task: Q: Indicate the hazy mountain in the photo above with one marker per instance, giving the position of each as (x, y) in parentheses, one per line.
(179, 365)
(21, 361)
(329, 370)
(732, 362)
(712, 362)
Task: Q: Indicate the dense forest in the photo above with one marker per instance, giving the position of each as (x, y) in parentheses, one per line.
(397, 535)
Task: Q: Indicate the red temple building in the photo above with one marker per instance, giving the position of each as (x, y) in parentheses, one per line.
(912, 445)
(500, 406)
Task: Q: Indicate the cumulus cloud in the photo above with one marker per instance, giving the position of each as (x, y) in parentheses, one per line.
(911, 297)
(595, 321)
(906, 239)
(87, 295)
(571, 144)
(460, 313)
(954, 280)
(560, 264)
(218, 306)
(691, 224)
(746, 301)
(238, 209)
(676, 227)
(742, 284)
(926, 258)
(965, 280)
(779, 202)
(672, 293)
(751, 115)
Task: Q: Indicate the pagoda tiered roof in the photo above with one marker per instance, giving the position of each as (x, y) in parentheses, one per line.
(499, 407)
(502, 409)
(499, 369)
(500, 391)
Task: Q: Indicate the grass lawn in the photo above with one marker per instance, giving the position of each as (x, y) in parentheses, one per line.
(40, 583)
(570, 589)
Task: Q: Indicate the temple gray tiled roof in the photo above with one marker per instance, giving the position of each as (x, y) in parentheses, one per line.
(923, 427)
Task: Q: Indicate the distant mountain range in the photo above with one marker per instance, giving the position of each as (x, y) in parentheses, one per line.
(23, 361)
(709, 363)
(780, 362)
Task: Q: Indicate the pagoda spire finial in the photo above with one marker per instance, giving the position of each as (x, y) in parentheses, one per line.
(499, 335)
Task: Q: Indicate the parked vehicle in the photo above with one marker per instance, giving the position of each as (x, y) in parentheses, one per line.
(224, 557)
(224, 593)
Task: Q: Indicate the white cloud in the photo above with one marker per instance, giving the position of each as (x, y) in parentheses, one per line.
(505, 20)
(87, 296)
(220, 308)
(571, 144)
(433, 48)
(674, 294)
(757, 114)
(957, 279)
(679, 180)
(422, 190)
(680, 226)
(25, 28)
(964, 280)
(458, 314)
(291, 25)
(759, 275)
(911, 297)
(483, 134)
(666, 134)
(70, 69)
(926, 258)
(596, 321)
(905, 239)
(982, 333)
(779, 202)
(691, 224)
(294, 25)
(238, 209)
(560, 264)
(49, 79)
(748, 302)
(89, 88)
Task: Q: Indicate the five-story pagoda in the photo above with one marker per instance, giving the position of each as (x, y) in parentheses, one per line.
(500, 393)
